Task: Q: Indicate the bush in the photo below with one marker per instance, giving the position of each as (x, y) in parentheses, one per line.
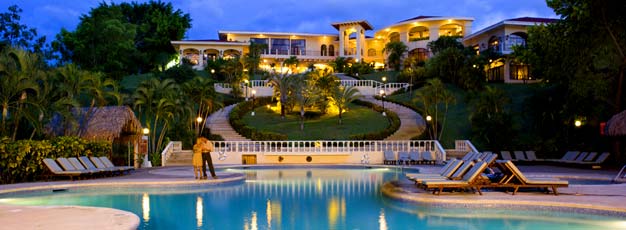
(22, 160)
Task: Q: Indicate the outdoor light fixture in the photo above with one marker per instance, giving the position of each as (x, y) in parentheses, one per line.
(146, 131)
(578, 123)
(212, 71)
(253, 94)
(245, 81)
(382, 94)
(429, 118)
(199, 119)
(384, 79)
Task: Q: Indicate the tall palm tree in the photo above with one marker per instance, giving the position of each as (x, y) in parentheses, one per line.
(326, 82)
(491, 101)
(433, 96)
(343, 96)
(203, 96)
(18, 71)
(305, 94)
(155, 100)
(291, 63)
(282, 87)
(395, 52)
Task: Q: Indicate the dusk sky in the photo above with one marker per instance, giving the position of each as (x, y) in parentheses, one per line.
(209, 16)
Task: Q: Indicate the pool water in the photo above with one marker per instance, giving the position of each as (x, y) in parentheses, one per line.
(301, 198)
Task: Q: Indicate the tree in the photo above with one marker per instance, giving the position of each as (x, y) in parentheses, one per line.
(395, 52)
(204, 97)
(18, 72)
(443, 43)
(292, 63)
(253, 58)
(123, 39)
(156, 102)
(305, 94)
(339, 64)
(342, 97)
(435, 99)
(282, 86)
(14, 34)
(326, 82)
(491, 122)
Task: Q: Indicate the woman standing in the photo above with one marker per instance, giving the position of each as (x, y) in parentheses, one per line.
(196, 159)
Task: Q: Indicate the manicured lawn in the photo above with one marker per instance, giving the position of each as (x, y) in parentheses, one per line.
(377, 76)
(357, 120)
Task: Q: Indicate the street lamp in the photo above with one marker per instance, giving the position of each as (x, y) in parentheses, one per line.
(199, 120)
(382, 94)
(246, 82)
(429, 118)
(146, 131)
(253, 94)
(212, 71)
(578, 123)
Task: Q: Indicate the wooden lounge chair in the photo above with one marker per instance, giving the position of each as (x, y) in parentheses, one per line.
(518, 180)
(80, 166)
(469, 156)
(415, 157)
(470, 180)
(531, 156)
(110, 164)
(442, 170)
(596, 164)
(590, 156)
(389, 157)
(506, 155)
(89, 165)
(403, 158)
(446, 175)
(100, 165)
(569, 156)
(56, 170)
(581, 157)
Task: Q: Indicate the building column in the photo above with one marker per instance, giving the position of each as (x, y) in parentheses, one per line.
(342, 39)
(220, 54)
(201, 61)
(180, 56)
(358, 44)
(434, 32)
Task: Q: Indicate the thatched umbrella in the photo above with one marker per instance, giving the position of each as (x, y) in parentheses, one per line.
(616, 126)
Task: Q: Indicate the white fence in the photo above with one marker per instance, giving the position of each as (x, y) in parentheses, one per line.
(171, 148)
(264, 89)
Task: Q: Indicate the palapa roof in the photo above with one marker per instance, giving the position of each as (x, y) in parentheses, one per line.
(102, 124)
(616, 126)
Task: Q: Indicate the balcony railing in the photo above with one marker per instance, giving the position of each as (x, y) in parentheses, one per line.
(298, 52)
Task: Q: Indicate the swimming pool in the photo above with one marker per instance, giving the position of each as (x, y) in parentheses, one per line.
(301, 198)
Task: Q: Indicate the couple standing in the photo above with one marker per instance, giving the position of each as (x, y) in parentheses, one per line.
(201, 156)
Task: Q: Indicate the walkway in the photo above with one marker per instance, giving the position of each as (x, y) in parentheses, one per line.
(411, 123)
(218, 123)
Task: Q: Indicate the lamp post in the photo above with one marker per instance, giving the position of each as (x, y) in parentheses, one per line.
(146, 133)
(199, 120)
(382, 95)
(384, 78)
(253, 94)
(428, 121)
(246, 85)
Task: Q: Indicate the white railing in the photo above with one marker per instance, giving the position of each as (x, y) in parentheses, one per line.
(465, 146)
(326, 147)
(360, 83)
(368, 87)
(173, 146)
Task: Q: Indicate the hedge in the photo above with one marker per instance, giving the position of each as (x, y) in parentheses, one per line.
(240, 110)
(22, 160)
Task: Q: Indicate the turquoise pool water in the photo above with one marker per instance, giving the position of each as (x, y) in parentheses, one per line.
(302, 198)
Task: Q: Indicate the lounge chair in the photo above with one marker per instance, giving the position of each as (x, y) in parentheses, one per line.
(89, 165)
(519, 155)
(442, 170)
(506, 155)
(581, 157)
(415, 157)
(429, 157)
(596, 164)
(447, 174)
(403, 158)
(110, 164)
(590, 156)
(389, 157)
(79, 166)
(569, 156)
(531, 156)
(470, 180)
(100, 165)
(518, 180)
(469, 156)
(56, 170)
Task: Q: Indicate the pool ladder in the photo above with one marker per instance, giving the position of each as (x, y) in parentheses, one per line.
(621, 176)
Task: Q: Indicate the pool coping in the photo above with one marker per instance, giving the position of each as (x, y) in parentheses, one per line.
(394, 191)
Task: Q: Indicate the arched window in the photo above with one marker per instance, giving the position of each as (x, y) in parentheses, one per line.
(331, 50)
(323, 51)
(494, 44)
(371, 52)
(419, 33)
(394, 37)
(516, 39)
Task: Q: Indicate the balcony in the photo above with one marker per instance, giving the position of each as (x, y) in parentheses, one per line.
(286, 53)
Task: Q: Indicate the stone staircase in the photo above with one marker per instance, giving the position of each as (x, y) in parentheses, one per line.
(218, 123)
(182, 157)
(411, 123)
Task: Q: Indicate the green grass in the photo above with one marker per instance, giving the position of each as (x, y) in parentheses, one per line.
(377, 76)
(358, 120)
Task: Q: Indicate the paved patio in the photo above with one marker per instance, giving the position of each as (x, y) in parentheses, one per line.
(599, 198)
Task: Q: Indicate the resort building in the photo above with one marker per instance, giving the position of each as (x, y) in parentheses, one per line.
(350, 42)
(500, 39)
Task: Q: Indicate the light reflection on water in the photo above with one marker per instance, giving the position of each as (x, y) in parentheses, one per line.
(302, 199)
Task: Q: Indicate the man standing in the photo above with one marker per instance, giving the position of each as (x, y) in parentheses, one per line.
(206, 157)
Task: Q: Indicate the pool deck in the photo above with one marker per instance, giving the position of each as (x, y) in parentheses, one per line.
(608, 199)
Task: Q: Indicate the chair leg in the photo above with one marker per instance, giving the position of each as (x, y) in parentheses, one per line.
(515, 190)
(478, 189)
(554, 190)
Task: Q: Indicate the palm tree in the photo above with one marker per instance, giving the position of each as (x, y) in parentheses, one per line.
(156, 101)
(291, 63)
(18, 69)
(433, 96)
(326, 82)
(395, 51)
(343, 96)
(203, 96)
(282, 87)
(491, 101)
(305, 94)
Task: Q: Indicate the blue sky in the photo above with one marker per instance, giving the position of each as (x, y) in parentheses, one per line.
(209, 16)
